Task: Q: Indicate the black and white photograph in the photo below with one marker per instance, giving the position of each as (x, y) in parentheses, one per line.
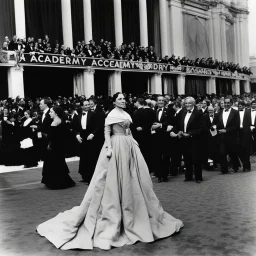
(127, 127)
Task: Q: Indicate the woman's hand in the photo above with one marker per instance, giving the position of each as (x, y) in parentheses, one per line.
(109, 153)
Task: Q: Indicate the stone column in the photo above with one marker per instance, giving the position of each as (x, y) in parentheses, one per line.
(78, 83)
(163, 27)
(241, 41)
(114, 82)
(216, 34)
(143, 23)
(236, 39)
(246, 39)
(176, 23)
(155, 85)
(247, 86)
(118, 22)
(236, 87)
(67, 23)
(88, 82)
(15, 82)
(87, 20)
(181, 79)
(211, 85)
(20, 22)
(223, 37)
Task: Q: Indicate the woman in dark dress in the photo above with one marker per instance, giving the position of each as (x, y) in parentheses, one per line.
(55, 169)
(11, 144)
(27, 133)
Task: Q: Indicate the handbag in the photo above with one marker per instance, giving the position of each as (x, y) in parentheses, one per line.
(26, 143)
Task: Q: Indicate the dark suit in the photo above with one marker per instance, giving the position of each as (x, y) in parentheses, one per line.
(144, 118)
(99, 138)
(44, 126)
(245, 140)
(229, 140)
(191, 147)
(161, 147)
(176, 154)
(211, 143)
(87, 163)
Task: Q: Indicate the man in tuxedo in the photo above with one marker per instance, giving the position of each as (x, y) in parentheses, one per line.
(174, 142)
(227, 124)
(245, 136)
(160, 136)
(189, 129)
(253, 125)
(13, 45)
(98, 139)
(204, 106)
(141, 130)
(211, 139)
(85, 128)
(44, 125)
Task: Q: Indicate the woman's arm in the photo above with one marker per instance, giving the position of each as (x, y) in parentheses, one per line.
(107, 132)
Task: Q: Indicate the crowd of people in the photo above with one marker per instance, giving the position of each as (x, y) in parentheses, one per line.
(221, 128)
(105, 49)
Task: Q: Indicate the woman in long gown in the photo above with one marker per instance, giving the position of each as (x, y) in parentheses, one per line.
(119, 206)
(55, 169)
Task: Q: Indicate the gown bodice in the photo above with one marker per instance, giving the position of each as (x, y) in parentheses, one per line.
(121, 128)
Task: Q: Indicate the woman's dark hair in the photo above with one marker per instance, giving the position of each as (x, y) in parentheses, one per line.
(28, 112)
(58, 110)
(115, 96)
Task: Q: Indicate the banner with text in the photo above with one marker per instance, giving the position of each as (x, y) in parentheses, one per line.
(59, 60)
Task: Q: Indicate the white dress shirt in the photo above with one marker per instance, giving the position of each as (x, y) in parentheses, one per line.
(160, 112)
(211, 119)
(253, 113)
(44, 113)
(187, 119)
(225, 117)
(177, 112)
(84, 121)
(241, 113)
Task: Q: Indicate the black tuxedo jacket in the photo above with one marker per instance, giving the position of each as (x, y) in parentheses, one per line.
(91, 125)
(208, 123)
(165, 120)
(195, 125)
(13, 46)
(100, 123)
(232, 126)
(245, 133)
(46, 123)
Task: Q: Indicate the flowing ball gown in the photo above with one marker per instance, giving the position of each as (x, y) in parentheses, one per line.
(55, 170)
(119, 207)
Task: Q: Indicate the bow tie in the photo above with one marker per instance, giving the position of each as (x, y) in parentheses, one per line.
(160, 109)
(189, 111)
(84, 114)
(226, 110)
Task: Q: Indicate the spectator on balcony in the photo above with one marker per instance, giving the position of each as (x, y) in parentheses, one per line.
(87, 51)
(151, 53)
(172, 60)
(13, 45)
(7, 40)
(21, 47)
(48, 48)
(5, 46)
(29, 48)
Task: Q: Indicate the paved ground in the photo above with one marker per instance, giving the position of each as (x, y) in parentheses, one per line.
(219, 215)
